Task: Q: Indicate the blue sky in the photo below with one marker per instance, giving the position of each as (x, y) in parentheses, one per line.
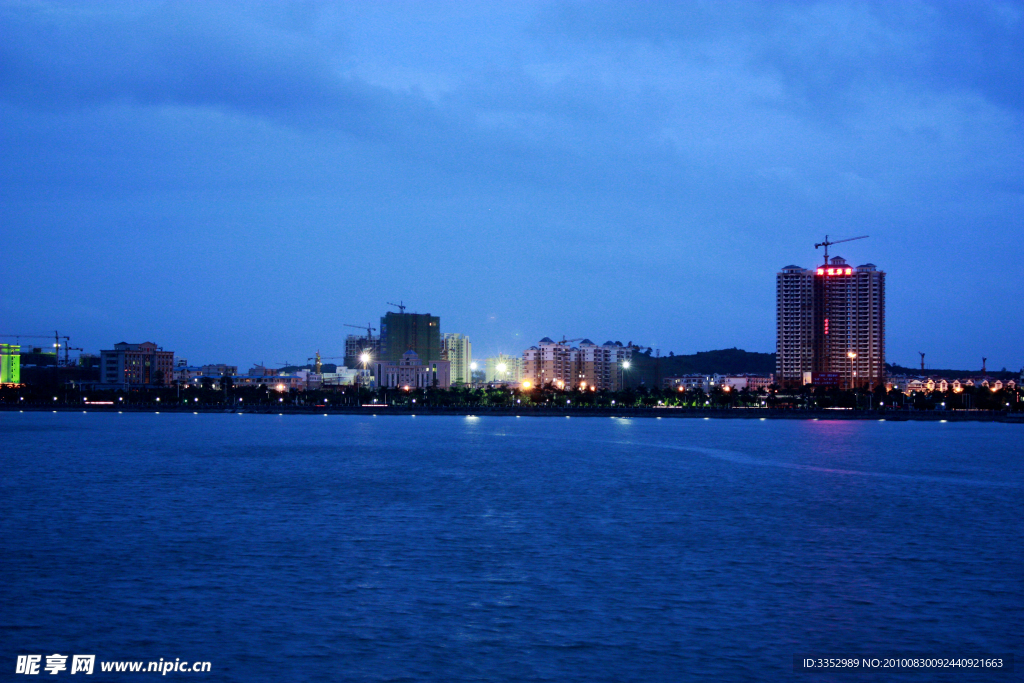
(237, 181)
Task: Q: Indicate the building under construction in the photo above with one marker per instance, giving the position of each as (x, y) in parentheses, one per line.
(358, 344)
(401, 332)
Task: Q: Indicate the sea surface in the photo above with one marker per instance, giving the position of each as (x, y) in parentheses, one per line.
(427, 548)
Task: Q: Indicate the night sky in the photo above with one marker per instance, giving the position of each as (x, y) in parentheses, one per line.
(236, 182)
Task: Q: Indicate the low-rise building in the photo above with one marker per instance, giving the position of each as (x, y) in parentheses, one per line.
(280, 383)
(704, 383)
(412, 373)
(136, 365)
(752, 383)
(342, 376)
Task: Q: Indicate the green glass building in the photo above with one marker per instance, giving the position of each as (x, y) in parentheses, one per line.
(401, 332)
(10, 364)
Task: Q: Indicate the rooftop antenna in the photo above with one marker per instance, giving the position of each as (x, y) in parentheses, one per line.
(400, 306)
(827, 244)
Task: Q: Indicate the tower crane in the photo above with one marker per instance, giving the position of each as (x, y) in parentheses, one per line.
(369, 330)
(318, 358)
(827, 244)
(569, 341)
(56, 343)
(69, 347)
(400, 306)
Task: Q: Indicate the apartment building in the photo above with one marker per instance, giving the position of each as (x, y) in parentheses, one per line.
(588, 366)
(830, 325)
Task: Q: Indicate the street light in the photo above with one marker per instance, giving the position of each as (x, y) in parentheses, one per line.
(852, 355)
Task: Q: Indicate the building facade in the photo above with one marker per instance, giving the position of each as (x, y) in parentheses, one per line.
(401, 332)
(412, 373)
(587, 366)
(830, 325)
(136, 365)
(458, 351)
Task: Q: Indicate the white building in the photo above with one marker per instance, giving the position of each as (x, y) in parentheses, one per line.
(457, 350)
(412, 373)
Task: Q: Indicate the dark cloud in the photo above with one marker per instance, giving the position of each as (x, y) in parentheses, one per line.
(655, 161)
(189, 55)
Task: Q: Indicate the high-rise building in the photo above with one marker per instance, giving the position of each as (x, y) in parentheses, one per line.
(794, 316)
(830, 325)
(457, 350)
(136, 365)
(358, 344)
(549, 362)
(401, 332)
(503, 368)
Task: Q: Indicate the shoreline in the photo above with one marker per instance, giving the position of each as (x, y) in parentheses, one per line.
(667, 413)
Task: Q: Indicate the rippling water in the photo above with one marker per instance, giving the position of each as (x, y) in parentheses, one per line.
(400, 548)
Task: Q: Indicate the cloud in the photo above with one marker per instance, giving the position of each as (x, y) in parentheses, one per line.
(570, 142)
(196, 55)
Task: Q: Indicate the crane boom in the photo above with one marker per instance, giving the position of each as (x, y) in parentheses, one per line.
(369, 330)
(827, 244)
(400, 306)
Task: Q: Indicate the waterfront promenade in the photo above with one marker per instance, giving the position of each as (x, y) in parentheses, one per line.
(545, 411)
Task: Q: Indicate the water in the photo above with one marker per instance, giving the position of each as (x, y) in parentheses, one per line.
(399, 548)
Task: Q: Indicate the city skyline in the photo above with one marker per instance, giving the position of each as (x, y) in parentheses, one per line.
(237, 184)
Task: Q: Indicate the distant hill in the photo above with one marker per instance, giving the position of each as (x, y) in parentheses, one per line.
(648, 369)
